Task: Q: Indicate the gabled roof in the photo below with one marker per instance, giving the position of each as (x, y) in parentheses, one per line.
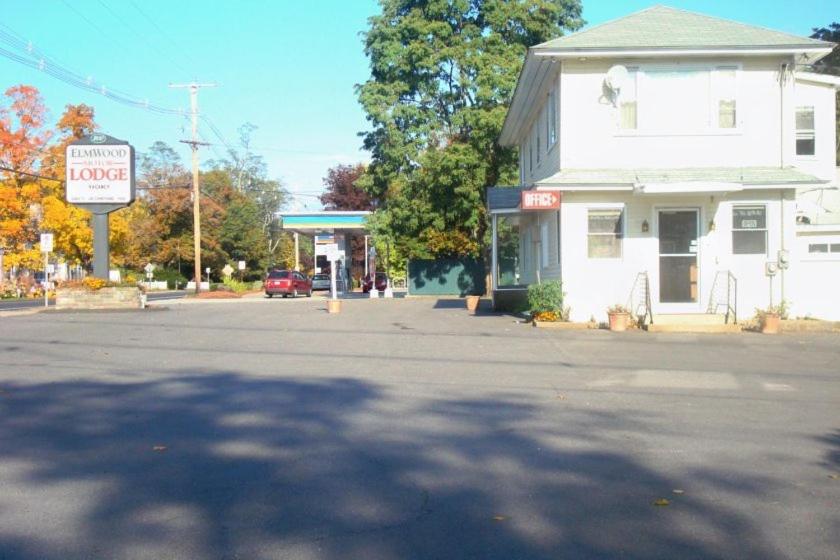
(659, 31)
(661, 27)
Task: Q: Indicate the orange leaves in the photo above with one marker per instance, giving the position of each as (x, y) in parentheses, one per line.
(21, 122)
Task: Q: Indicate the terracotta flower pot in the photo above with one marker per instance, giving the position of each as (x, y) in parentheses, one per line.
(472, 304)
(333, 306)
(771, 323)
(618, 321)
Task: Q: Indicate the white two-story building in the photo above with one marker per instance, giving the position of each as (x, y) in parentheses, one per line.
(675, 144)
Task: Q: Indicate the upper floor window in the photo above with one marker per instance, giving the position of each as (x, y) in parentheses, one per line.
(679, 100)
(724, 82)
(530, 156)
(627, 101)
(805, 134)
(551, 121)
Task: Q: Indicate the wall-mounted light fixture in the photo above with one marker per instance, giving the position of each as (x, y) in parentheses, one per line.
(645, 226)
(711, 225)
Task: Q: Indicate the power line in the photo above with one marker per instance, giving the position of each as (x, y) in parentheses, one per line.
(142, 37)
(94, 26)
(162, 32)
(29, 56)
(35, 175)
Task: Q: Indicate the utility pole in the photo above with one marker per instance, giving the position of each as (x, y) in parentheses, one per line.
(194, 144)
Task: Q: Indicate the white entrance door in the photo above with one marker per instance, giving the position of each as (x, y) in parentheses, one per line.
(678, 264)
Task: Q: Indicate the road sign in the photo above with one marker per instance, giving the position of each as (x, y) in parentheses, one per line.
(241, 265)
(335, 255)
(46, 242)
(149, 268)
(227, 270)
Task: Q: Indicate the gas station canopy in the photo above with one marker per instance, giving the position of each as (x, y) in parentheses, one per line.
(309, 223)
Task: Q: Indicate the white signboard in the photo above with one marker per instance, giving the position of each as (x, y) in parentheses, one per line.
(99, 171)
(335, 255)
(241, 265)
(46, 242)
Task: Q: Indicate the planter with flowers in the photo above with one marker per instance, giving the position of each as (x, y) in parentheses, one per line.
(620, 318)
(770, 319)
(95, 293)
(545, 305)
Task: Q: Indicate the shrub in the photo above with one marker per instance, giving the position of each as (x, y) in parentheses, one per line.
(173, 278)
(618, 308)
(236, 286)
(546, 300)
(92, 283)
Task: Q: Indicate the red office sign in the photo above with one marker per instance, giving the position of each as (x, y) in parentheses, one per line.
(540, 200)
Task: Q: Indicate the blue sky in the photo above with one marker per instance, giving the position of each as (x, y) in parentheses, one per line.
(288, 67)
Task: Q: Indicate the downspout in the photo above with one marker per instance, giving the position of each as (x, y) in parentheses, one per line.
(783, 74)
(782, 79)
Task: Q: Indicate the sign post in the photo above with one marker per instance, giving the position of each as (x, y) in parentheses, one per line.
(150, 270)
(100, 179)
(372, 272)
(46, 248)
(333, 256)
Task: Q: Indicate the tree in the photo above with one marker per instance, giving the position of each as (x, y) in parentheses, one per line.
(70, 224)
(342, 193)
(22, 139)
(830, 64)
(442, 74)
(249, 176)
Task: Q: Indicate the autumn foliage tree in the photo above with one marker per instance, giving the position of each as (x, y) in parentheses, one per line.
(342, 193)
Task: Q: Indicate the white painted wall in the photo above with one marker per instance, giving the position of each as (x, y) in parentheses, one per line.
(592, 285)
(815, 279)
(589, 135)
(592, 137)
(822, 98)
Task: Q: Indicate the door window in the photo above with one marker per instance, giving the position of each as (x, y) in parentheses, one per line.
(678, 232)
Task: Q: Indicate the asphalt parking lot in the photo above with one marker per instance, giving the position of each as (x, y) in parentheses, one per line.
(407, 429)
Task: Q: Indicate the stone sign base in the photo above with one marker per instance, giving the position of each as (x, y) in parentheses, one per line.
(104, 298)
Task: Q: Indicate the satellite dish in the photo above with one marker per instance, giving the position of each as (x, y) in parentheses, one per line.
(616, 77)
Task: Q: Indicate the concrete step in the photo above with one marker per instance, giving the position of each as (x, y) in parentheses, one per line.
(692, 323)
(730, 328)
(690, 319)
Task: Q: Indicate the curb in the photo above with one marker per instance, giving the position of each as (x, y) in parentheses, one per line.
(24, 312)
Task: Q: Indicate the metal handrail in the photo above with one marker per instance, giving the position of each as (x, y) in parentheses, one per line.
(730, 304)
(642, 282)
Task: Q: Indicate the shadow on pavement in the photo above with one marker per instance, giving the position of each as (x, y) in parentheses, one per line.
(331, 469)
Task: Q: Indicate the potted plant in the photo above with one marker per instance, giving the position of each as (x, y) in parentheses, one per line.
(545, 301)
(619, 317)
(472, 303)
(770, 319)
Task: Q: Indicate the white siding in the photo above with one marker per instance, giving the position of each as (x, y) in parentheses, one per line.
(815, 286)
(593, 285)
(822, 98)
(591, 137)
